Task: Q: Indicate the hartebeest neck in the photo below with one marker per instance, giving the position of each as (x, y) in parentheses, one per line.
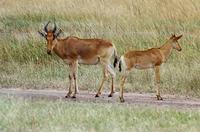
(166, 50)
(57, 50)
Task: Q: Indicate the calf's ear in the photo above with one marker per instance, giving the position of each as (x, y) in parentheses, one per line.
(178, 37)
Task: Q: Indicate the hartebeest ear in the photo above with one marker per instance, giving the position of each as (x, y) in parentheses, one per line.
(173, 36)
(178, 37)
(42, 34)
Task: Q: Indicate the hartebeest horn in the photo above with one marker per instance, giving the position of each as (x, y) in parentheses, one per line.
(42, 34)
(55, 27)
(58, 33)
(45, 28)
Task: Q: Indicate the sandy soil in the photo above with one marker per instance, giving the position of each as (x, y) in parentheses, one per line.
(86, 96)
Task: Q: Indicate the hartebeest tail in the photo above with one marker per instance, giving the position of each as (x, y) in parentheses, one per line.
(74, 51)
(115, 58)
(151, 58)
(115, 62)
(120, 65)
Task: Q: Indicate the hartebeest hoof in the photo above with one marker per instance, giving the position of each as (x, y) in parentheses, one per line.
(121, 99)
(159, 97)
(97, 95)
(74, 96)
(68, 95)
(110, 95)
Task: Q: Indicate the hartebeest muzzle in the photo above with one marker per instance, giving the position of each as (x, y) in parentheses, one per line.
(49, 52)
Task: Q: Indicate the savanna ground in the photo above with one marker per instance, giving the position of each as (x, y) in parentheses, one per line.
(129, 24)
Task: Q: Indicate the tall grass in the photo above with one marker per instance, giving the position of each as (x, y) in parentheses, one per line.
(129, 24)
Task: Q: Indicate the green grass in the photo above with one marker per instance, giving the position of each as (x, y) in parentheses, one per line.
(17, 114)
(129, 24)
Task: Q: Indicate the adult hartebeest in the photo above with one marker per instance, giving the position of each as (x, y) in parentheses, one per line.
(150, 58)
(74, 51)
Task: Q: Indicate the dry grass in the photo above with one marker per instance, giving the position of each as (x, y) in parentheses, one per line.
(130, 24)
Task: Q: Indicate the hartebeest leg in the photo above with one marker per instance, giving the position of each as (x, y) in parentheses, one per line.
(70, 86)
(157, 73)
(112, 73)
(75, 70)
(121, 97)
(105, 76)
(70, 82)
(123, 79)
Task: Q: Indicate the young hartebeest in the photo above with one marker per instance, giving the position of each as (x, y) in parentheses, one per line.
(74, 51)
(150, 58)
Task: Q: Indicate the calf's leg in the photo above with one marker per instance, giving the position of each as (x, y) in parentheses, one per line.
(157, 73)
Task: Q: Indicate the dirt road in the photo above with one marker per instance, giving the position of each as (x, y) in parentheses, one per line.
(86, 96)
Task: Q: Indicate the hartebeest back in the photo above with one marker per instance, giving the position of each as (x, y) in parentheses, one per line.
(151, 58)
(74, 51)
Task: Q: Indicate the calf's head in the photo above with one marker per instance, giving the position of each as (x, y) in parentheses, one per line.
(175, 43)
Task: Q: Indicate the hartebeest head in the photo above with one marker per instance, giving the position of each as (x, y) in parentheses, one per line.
(50, 36)
(175, 43)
